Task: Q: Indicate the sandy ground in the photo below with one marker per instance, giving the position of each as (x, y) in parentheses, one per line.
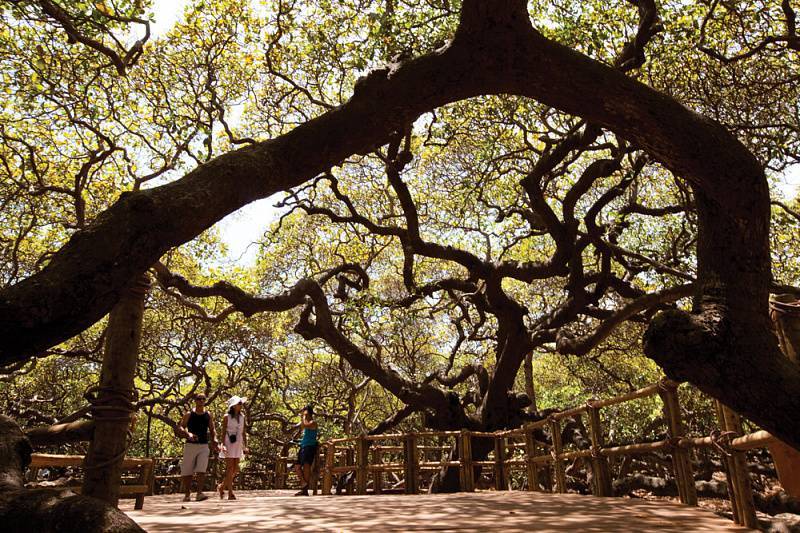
(485, 511)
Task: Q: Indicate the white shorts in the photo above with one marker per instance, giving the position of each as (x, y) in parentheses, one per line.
(195, 458)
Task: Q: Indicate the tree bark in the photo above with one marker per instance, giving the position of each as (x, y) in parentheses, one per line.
(47, 510)
(112, 406)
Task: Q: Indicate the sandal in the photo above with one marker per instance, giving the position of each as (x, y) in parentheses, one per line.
(221, 490)
(231, 496)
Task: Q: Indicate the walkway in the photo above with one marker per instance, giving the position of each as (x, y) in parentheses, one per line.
(505, 511)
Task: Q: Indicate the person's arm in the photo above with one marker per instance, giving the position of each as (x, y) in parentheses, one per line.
(224, 428)
(297, 429)
(182, 426)
(308, 423)
(212, 432)
(244, 434)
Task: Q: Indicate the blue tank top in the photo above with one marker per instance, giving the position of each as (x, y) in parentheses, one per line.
(309, 438)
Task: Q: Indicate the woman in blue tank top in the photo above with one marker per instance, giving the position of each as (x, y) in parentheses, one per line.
(308, 449)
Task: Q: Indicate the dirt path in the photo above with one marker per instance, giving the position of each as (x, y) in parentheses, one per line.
(485, 511)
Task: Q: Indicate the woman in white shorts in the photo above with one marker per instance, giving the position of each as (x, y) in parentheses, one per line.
(234, 444)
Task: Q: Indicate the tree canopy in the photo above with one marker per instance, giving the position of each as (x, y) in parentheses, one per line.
(466, 190)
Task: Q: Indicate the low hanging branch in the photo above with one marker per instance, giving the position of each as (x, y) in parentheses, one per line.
(582, 345)
(57, 434)
(393, 420)
(309, 294)
(46, 509)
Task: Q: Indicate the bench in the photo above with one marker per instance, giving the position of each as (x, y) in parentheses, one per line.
(139, 490)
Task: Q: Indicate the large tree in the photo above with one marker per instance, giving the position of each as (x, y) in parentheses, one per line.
(724, 345)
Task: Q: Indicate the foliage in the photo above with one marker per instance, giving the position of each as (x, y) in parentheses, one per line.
(75, 136)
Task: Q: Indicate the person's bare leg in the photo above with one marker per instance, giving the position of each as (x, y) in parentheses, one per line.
(236, 471)
(186, 482)
(201, 480)
(307, 475)
(302, 476)
(221, 485)
(230, 473)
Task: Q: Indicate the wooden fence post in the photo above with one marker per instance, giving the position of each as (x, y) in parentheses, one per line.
(377, 475)
(558, 464)
(530, 464)
(684, 476)
(361, 465)
(330, 460)
(350, 460)
(500, 481)
(280, 473)
(465, 456)
(152, 480)
(732, 492)
(601, 473)
(738, 476)
(411, 466)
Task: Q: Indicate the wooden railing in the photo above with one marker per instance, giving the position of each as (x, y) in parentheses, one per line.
(142, 466)
(253, 475)
(542, 464)
(518, 456)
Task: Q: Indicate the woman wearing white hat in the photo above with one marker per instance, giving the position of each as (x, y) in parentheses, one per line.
(234, 444)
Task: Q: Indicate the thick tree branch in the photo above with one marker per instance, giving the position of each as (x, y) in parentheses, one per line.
(57, 434)
(495, 50)
(567, 344)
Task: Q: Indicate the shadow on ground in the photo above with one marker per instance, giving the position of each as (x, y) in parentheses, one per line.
(485, 511)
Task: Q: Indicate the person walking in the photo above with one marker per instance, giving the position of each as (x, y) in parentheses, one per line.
(308, 449)
(234, 444)
(197, 426)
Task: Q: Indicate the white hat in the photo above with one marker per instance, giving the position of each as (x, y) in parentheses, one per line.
(235, 399)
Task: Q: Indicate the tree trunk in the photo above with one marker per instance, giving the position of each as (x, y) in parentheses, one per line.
(448, 480)
(112, 404)
(530, 389)
(47, 510)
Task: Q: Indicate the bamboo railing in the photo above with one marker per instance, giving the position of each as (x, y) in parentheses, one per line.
(541, 464)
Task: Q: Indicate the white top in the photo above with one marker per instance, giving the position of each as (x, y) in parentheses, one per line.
(234, 426)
